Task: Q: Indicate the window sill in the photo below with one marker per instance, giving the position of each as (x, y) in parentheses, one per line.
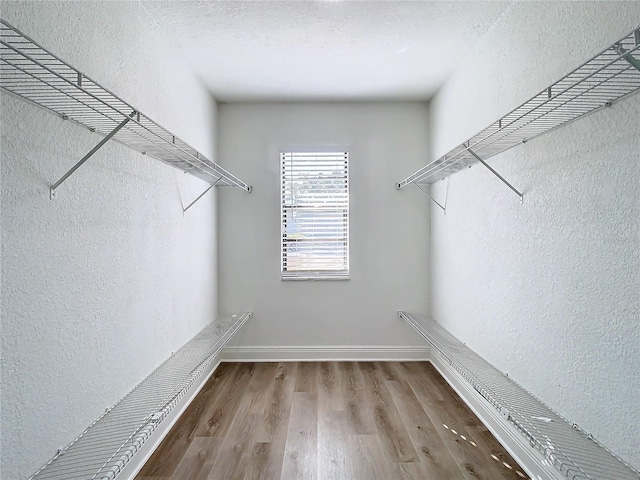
(314, 278)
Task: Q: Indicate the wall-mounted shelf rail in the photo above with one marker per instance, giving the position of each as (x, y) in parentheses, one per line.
(103, 450)
(607, 78)
(575, 454)
(34, 74)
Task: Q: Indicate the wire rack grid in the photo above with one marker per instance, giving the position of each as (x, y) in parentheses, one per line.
(574, 453)
(34, 74)
(605, 79)
(110, 442)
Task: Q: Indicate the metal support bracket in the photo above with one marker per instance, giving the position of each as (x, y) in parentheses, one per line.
(496, 174)
(444, 208)
(201, 195)
(633, 61)
(52, 191)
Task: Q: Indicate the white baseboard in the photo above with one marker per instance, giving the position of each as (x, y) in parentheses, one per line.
(324, 353)
(136, 463)
(529, 458)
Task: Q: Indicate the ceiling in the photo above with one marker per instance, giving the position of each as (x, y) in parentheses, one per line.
(324, 50)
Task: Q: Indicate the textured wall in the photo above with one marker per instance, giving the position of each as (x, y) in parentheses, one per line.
(547, 291)
(102, 284)
(389, 267)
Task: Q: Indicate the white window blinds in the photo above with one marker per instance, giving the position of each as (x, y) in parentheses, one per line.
(315, 215)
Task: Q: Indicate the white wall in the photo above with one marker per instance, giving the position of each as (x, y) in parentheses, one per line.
(388, 262)
(547, 291)
(100, 285)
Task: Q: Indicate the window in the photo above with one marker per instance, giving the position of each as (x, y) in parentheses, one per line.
(315, 215)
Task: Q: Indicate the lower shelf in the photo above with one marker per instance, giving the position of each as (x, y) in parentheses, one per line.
(548, 445)
(104, 449)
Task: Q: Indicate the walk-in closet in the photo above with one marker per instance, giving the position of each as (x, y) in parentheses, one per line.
(320, 239)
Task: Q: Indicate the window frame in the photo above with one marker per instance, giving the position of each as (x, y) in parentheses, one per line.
(311, 274)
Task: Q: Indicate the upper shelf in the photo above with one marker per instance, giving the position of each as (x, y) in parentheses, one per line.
(32, 73)
(603, 80)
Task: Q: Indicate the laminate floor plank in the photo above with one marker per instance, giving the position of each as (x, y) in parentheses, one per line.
(488, 442)
(307, 377)
(222, 409)
(457, 406)
(275, 420)
(335, 460)
(301, 450)
(435, 457)
(474, 463)
(259, 467)
(329, 391)
(259, 393)
(409, 471)
(370, 460)
(260, 387)
(420, 373)
(329, 421)
(360, 420)
(236, 449)
(395, 439)
(198, 459)
(475, 433)
(168, 455)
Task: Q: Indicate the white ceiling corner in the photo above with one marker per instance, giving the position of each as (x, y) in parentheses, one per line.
(324, 50)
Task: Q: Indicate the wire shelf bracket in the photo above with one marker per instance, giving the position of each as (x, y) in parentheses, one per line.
(496, 174)
(34, 74)
(619, 47)
(607, 78)
(570, 451)
(426, 194)
(184, 210)
(88, 155)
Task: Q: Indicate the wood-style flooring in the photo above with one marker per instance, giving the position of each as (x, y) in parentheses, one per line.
(326, 421)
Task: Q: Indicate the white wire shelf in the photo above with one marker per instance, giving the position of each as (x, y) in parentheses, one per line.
(605, 79)
(108, 444)
(36, 75)
(574, 453)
